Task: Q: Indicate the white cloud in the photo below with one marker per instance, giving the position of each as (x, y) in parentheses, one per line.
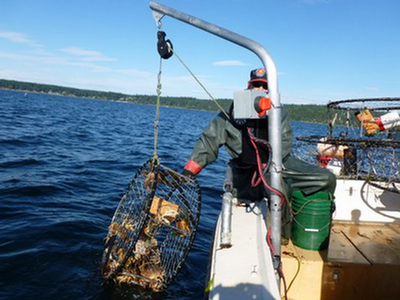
(18, 37)
(82, 68)
(229, 63)
(15, 37)
(33, 59)
(87, 55)
(52, 60)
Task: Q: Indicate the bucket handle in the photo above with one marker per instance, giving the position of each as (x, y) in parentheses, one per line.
(312, 229)
(331, 199)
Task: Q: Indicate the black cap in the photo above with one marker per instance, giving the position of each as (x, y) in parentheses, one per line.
(258, 75)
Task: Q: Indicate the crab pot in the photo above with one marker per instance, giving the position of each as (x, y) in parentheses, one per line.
(312, 218)
(152, 229)
(350, 161)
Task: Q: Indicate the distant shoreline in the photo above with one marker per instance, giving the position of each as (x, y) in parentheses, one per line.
(309, 113)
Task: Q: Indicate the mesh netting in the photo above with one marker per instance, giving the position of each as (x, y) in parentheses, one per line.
(362, 142)
(352, 118)
(153, 228)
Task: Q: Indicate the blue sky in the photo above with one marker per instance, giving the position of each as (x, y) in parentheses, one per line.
(323, 49)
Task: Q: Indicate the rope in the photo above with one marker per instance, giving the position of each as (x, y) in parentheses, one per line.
(155, 155)
(156, 160)
(297, 272)
(309, 201)
(204, 88)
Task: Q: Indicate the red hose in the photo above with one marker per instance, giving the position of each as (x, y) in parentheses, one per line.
(282, 196)
(260, 170)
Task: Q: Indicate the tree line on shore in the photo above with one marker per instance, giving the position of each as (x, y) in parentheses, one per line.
(298, 112)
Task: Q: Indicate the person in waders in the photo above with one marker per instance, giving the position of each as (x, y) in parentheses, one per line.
(237, 135)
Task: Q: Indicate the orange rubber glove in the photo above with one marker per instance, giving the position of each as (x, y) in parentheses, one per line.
(368, 122)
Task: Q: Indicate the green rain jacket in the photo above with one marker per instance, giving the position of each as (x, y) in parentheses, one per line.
(222, 132)
(296, 174)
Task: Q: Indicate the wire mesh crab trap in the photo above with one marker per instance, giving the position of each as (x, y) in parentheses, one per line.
(153, 228)
(362, 142)
(154, 225)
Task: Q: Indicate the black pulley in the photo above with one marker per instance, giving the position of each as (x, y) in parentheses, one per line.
(164, 50)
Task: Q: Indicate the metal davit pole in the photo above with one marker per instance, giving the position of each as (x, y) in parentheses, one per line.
(274, 115)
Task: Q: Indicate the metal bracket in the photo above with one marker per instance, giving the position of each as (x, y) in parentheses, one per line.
(157, 17)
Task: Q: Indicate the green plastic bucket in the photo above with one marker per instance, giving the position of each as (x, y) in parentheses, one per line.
(312, 218)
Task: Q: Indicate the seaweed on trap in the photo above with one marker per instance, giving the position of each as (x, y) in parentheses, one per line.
(153, 228)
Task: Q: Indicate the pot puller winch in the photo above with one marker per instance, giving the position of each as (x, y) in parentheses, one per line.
(155, 223)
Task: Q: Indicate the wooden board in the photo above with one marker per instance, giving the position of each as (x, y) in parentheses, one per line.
(342, 250)
(379, 244)
(362, 262)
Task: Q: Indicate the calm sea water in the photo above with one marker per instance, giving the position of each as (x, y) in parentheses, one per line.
(64, 165)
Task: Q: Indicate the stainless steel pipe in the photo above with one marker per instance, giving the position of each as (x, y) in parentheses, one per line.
(274, 115)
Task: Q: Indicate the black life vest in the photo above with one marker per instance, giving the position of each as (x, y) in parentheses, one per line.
(260, 129)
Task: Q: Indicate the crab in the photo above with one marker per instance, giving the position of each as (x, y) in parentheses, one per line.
(110, 266)
(168, 216)
(126, 278)
(150, 178)
(120, 254)
(144, 247)
(152, 272)
(149, 181)
(169, 177)
(163, 210)
(155, 274)
(156, 286)
(118, 230)
(129, 225)
(145, 264)
(114, 228)
(152, 225)
(183, 226)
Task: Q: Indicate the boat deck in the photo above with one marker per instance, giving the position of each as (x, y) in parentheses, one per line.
(245, 270)
(362, 262)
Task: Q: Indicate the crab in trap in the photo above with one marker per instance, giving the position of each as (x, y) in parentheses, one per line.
(152, 229)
